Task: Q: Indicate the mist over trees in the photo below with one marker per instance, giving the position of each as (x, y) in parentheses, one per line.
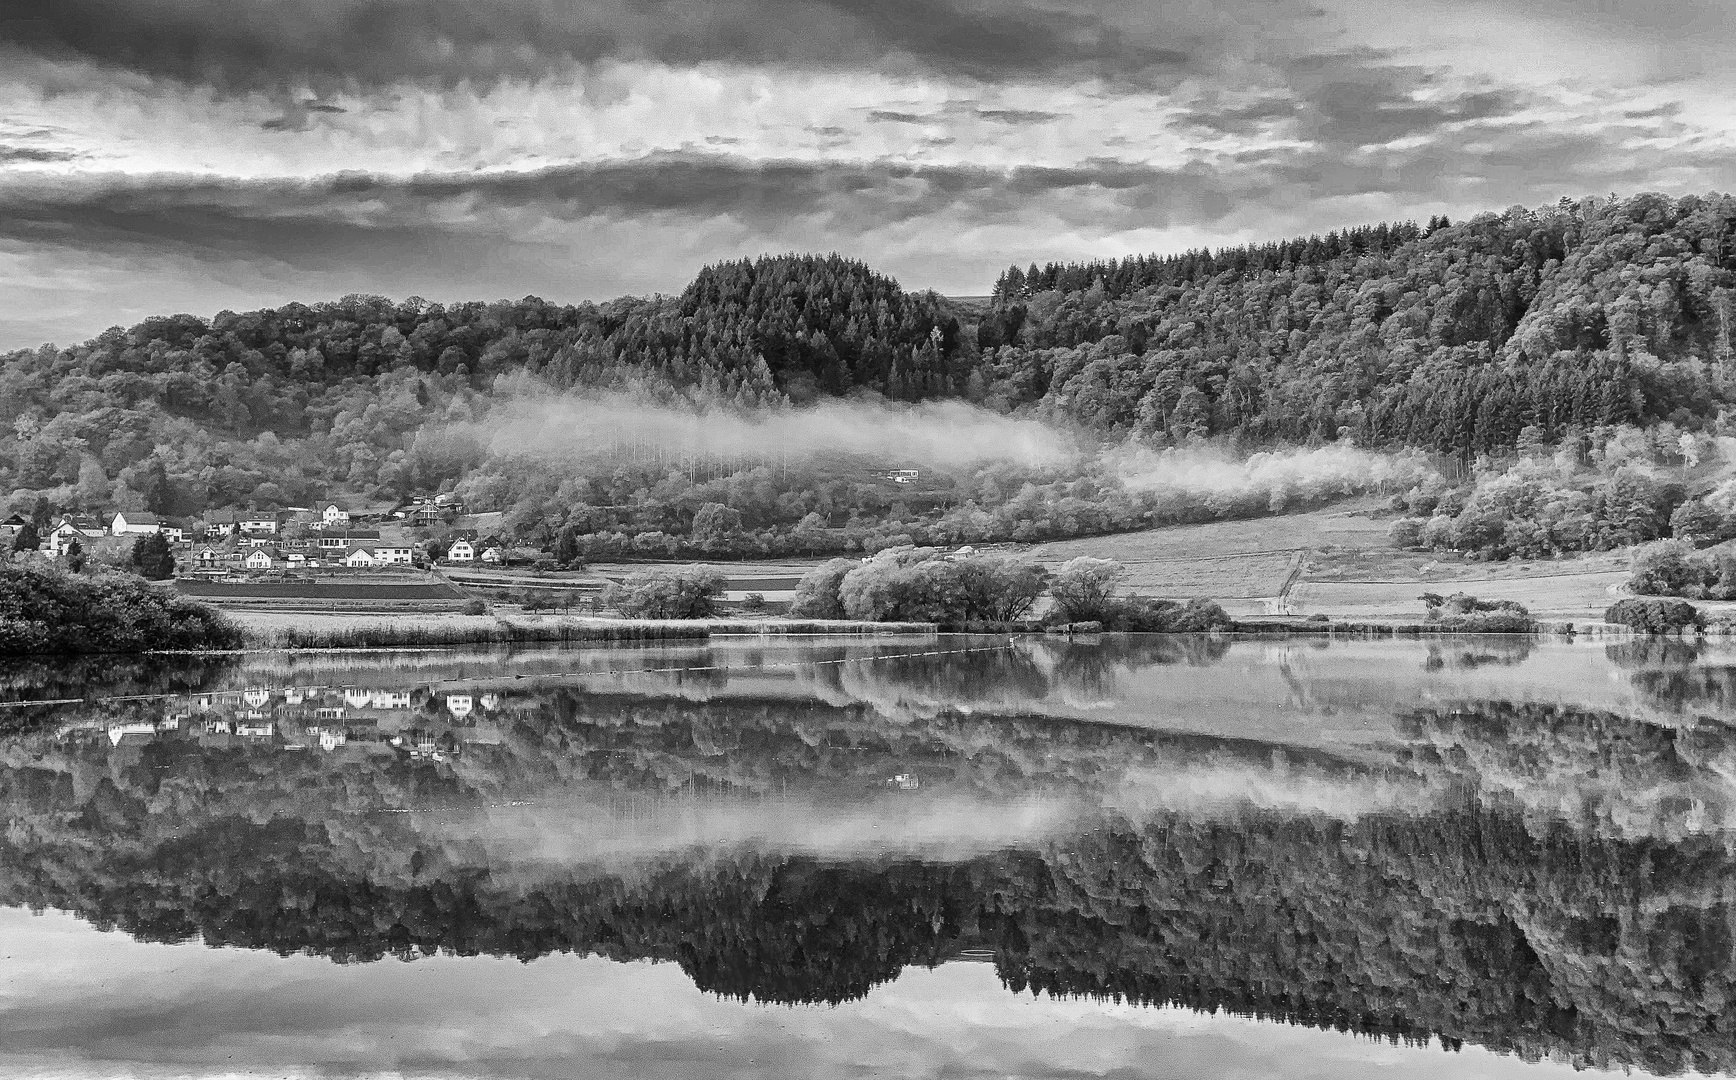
(1524, 329)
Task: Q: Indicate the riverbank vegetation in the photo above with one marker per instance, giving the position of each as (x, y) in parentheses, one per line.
(44, 610)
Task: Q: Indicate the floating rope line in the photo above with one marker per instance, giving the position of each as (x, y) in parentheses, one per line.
(439, 685)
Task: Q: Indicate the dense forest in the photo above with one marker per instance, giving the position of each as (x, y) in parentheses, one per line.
(1492, 914)
(1527, 329)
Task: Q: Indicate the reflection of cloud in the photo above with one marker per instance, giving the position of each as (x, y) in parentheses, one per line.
(79, 1002)
(1211, 789)
(898, 824)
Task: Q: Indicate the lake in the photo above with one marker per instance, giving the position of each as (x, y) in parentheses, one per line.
(900, 857)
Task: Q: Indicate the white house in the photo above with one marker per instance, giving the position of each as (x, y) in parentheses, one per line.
(461, 551)
(395, 556)
(82, 526)
(259, 560)
(361, 557)
(492, 555)
(207, 556)
(135, 522)
(259, 522)
(333, 514)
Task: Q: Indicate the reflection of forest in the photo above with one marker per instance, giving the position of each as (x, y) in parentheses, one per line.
(1485, 915)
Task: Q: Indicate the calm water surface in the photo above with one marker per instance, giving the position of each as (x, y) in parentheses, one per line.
(902, 857)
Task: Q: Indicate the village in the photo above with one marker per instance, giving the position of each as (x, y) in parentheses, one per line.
(346, 721)
(331, 536)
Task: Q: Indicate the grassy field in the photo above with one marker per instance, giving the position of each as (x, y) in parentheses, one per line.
(1333, 561)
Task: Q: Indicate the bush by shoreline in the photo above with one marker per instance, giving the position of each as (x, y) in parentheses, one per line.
(49, 611)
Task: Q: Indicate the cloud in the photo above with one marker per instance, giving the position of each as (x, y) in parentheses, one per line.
(12, 155)
(1018, 116)
(298, 219)
(267, 44)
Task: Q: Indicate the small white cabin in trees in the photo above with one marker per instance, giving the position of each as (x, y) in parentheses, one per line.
(461, 551)
(492, 555)
(259, 560)
(333, 514)
(136, 522)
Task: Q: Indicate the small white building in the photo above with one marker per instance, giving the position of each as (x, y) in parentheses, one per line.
(258, 560)
(135, 522)
(460, 705)
(333, 514)
(492, 555)
(361, 557)
(461, 551)
(259, 523)
(395, 556)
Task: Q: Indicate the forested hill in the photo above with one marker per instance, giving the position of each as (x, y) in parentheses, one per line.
(1518, 329)
(1449, 337)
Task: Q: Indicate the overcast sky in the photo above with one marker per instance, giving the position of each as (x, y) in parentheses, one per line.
(195, 155)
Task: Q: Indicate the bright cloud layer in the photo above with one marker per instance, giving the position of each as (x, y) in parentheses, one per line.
(183, 154)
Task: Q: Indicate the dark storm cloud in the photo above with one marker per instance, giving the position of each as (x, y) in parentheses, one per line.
(1017, 116)
(15, 155)
(265, 44)
(431, 216)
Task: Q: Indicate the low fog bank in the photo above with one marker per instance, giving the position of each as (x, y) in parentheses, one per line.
(1279, 477)
(944, 432)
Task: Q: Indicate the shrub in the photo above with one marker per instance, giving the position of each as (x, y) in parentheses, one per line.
(475, 607)
(1406, 533)
(917, 585)
(153, 558)
(685, 593)
(754, 603)
(1137, 614)
(50, 611)
(1670, 568)
(1083, 587)
(1655, 615)
(1465, 613)
(817, 592)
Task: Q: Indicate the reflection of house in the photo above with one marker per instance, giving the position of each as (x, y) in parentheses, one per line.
(256, 729)
(461, 551)
(329, 713)
(255, 699)
(259, 560)
(117, 732)
(460, 705)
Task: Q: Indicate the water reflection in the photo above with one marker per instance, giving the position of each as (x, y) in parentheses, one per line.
(1524, 849)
